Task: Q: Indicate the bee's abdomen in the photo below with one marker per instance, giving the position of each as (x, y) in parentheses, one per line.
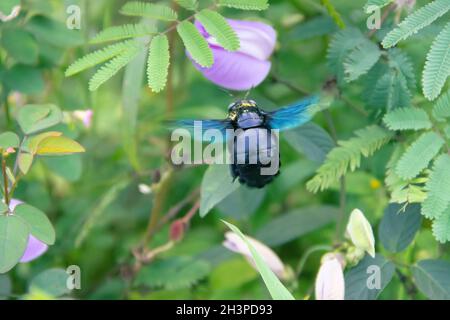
(256, 157)
(250, 175)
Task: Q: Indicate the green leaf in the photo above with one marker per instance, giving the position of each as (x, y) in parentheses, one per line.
(245, 4)
(398, 228)
(5, 286)
(218, 27)
(14, 232)
(407, 119)
(391, 91)
(432, 278)
(437, 67)
(33, 118)
(9, 140)
(188, 4)
(58, 146)
(25, 161)
(158, 63)
(113, 66)
(401, 62)
(24, 79)
(418, 155)
(51, 281)
(54, 32)
(97, 57)
(438, 187)
(40, 226)
(242, 202)
(217, 183)
(149, 10)
(70, 168)
(416, 21)
(20, 45)
(296, 223)
(273, 284)
(347, 156)
(32, 143)
(441, 109)
(6, 6)
(342, 43)
(173, 273)
(441, 226)
(358, 278)
(132, 82)
(311, 140)
(361, 60)
(195, 44)
(123, 32)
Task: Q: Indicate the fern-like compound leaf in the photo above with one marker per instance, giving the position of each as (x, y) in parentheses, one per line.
(441, 227)
(341, 45)
(149, 10)
(416, 21)
(97, 57)
(361, 60)
(188, 4)
(347, 156)
(407, 119)
(112, 67)
(441, 109)
(123, 32)
(437, 67)
(195, 44)
(173, 273)
(158, 63)
(245, 4)
(418, 155)
(218, 27)
(438, 188)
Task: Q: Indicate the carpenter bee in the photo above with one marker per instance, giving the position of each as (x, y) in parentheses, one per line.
(252, 136)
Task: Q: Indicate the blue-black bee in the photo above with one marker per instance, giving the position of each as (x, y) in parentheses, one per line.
(258, 128)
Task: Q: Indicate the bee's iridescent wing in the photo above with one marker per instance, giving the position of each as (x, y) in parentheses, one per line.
(293, 115)
(201, 130)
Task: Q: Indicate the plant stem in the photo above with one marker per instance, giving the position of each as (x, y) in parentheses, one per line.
(304, 258)
(158, 203)
(5, 182)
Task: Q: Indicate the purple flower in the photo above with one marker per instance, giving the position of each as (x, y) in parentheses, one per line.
(249, 65)
(35, 248)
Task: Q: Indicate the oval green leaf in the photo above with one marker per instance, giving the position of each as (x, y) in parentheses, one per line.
(40, 225)
(14, 232)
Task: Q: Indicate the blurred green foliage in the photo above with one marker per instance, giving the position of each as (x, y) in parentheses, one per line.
(102, 218)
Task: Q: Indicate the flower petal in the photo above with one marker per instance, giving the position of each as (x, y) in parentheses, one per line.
(360, 232)
(234, 243)
(257, 39)
(235, 70)
(35, 248)
(330, 283)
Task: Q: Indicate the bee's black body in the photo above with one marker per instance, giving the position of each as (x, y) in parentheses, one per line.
(247, 116)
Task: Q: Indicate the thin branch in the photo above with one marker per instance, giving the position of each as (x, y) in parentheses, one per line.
(5, 181)
(177, 208)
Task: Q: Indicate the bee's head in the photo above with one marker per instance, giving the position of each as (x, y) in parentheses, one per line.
(245, 113)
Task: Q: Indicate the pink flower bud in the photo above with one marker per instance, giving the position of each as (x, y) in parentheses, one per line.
(330, 283)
